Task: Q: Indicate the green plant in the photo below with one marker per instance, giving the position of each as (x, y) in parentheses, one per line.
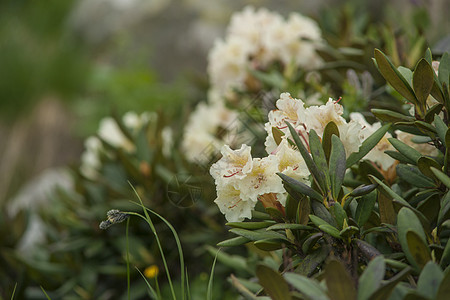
(356, 224)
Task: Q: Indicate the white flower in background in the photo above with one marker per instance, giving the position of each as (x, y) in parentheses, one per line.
(423, 148)
(167, 141)
(377, 154)
(111, 133)
(90, 160)
(257, 38)
(201, 134)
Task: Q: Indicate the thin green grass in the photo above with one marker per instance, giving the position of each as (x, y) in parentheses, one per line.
(211, 278)
(14, 291)
(45, 293)
(128, 259)
(152, 291)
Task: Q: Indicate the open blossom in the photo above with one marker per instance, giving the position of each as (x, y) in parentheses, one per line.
(314, 117)
(241, 181)
(257, 38)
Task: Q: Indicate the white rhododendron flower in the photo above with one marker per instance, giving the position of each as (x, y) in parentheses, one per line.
(314, 117)
(201, 134)
(235, 164)
(232, 205)
(257, 38)
(291, 162)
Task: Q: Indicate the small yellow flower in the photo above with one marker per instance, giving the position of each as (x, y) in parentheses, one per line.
(151, 271)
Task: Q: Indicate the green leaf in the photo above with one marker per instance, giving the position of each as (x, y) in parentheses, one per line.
(309, 264)
(385, 291)
(318, 156)
(310, 241)
(370, 279)
(367, 145)
(441, 176)
(318, 221)
(291, 226)
(424, 126)
(257, 235)
(312, 167)
(330, 230)
(389, 192)
(300, 187)
(445, 258)
(391, 116)
(429, 280)
(409, 152)
(386, 209)
(444, 287)
(250, 225)
(269, 244)
(413, 176)
(367, 249)
(432, 112)
(330, 130)
(308, 287)
(274, 285)
(238, 284)
(235, 262)
(425, 163)
(236, 241)
(441, 128)
(348, 232)
(444, 69)
(418, 249)
(364, 208)
(303, 211)
(363, 190)
(393, 76)
(337, 166)
(277, 134)
(339, 282)
(423, 79)
(408, 221)
(429, 56)
(339, 214)
(400, 157)
(292, 204)
(322, 212)
(445, 208)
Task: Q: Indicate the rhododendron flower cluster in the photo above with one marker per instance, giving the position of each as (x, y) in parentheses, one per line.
(242, 180)
(257, 38)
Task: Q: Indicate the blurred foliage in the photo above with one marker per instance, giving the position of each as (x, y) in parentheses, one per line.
(39, 57)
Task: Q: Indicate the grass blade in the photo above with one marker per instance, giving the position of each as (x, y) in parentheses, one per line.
(211, 278)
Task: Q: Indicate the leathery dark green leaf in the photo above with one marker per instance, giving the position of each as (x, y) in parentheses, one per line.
(312, 167)
(393, 76)
(273, 283)
(429, 280)
(365, 207)
(318, 155)
(444, 288)
(418, 249)
(370, 279)
(330, 130)
(408, 221)
(339, 282)
(367, 145)
(308, 287)
(413, 176)
(386, 290)
(441, 176)
(406, 150)
(300, 187)
(386, 115)
(423, 79)
(337, 166)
